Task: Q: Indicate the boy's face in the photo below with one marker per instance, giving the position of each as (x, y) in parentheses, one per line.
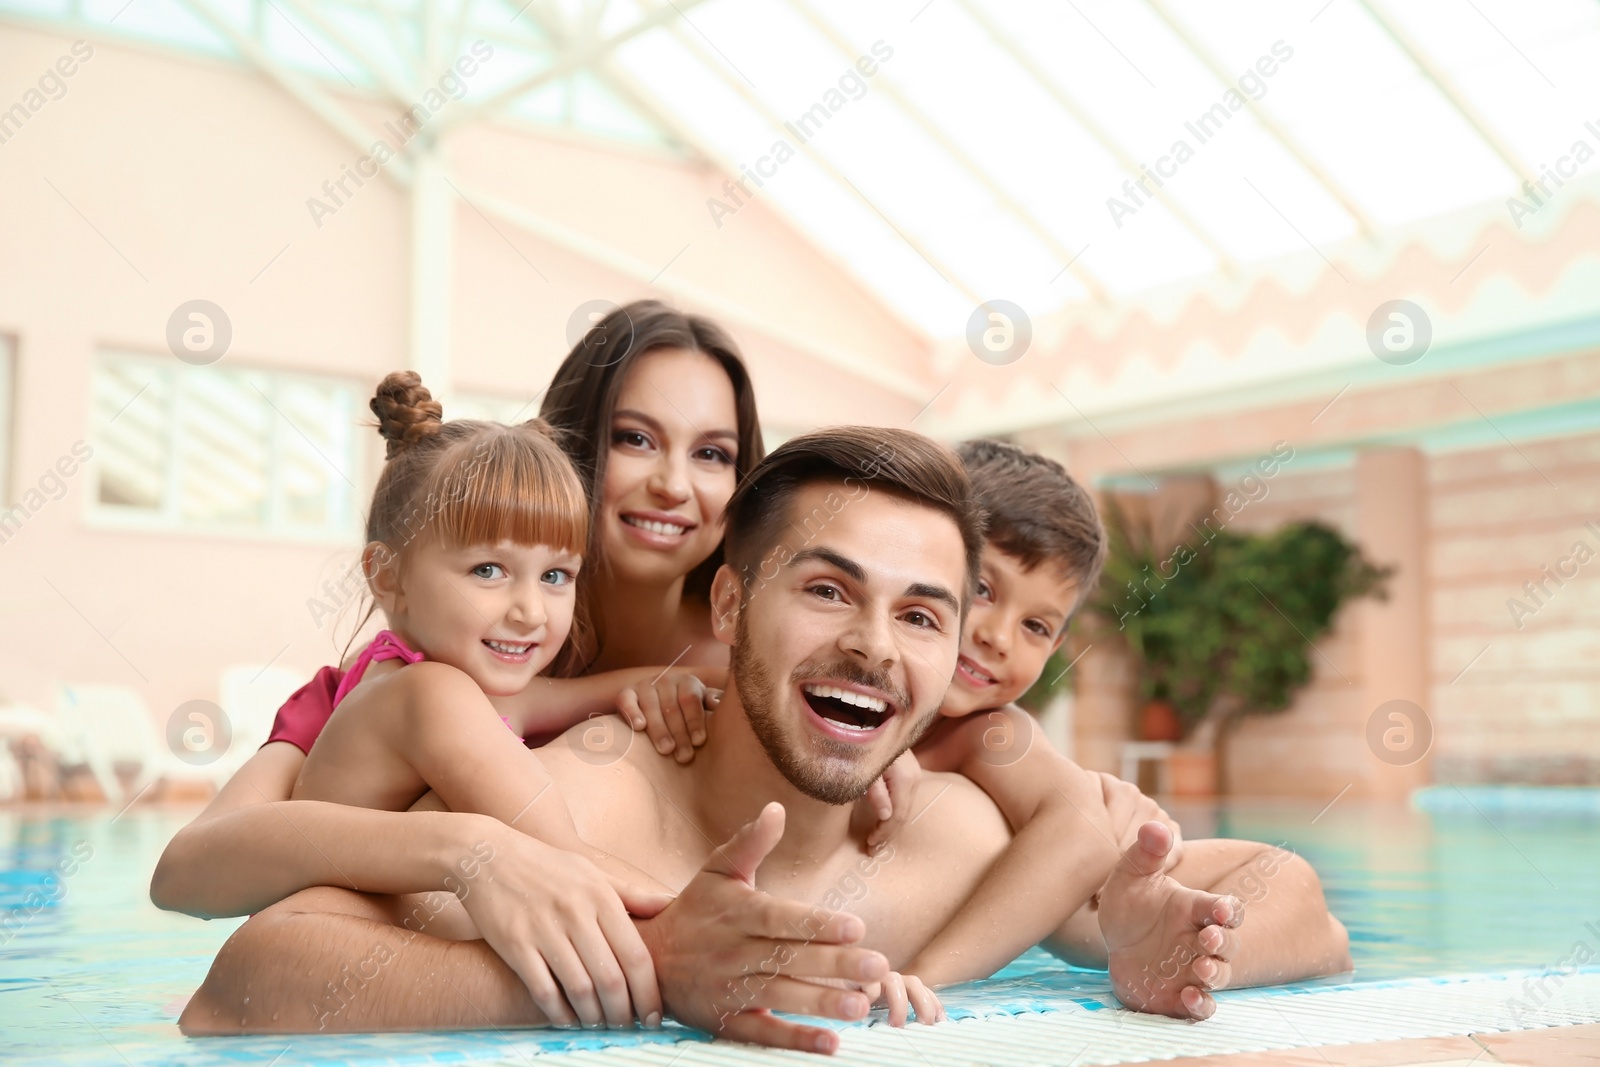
(1018, 618)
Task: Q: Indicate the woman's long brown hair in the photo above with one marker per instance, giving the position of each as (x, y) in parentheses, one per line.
(582, 399)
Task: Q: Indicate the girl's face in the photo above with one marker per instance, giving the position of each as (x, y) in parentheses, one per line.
(500, 613)
(670, 471)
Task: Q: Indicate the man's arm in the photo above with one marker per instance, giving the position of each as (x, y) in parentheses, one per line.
(727, 956)
(332, 960)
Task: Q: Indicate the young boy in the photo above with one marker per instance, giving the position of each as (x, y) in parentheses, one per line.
(1165, 936)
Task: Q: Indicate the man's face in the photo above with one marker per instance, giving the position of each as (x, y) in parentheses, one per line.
(846, 639)
(1018, 618)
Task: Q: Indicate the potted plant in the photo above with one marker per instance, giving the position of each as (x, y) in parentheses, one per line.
(1223, 623)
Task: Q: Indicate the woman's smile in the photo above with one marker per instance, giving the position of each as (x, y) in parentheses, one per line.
(653, 528)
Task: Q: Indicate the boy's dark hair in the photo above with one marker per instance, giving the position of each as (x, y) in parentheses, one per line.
(1035, 511)
(899, 462)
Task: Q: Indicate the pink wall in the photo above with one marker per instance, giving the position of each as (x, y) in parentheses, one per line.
(197, 172)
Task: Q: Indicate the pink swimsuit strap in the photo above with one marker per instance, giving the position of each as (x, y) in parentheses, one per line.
(387, 645)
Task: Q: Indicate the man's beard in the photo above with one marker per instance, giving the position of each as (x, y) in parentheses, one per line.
(813, 773)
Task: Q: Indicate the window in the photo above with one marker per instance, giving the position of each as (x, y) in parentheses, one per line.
(218, 449)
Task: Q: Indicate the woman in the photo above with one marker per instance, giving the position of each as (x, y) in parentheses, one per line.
(660, 419)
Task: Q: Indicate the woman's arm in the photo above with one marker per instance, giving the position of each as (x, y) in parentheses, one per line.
(252, 846)
(551, 705)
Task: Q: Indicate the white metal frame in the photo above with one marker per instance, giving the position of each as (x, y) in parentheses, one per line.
(422, 32)
(343, 508)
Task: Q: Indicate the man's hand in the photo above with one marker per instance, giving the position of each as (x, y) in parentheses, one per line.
(727, 956)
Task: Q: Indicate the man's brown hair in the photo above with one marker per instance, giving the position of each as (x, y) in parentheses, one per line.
(1035, 511)
(899, 462)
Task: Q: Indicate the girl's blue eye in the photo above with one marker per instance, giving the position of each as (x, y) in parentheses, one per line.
(558, 576)
(488, 571)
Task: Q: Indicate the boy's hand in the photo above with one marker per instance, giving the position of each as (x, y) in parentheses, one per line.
(888, 800)
(672, 710)
(1128, 809)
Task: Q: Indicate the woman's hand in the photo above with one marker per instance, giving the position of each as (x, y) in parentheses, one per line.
(562, 926)
(888, 800)
(672, 709)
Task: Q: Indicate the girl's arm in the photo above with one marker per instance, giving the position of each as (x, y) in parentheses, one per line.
(1063, 849)
(252, 846)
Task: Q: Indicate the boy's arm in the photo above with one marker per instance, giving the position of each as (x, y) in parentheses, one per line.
(1064, 848)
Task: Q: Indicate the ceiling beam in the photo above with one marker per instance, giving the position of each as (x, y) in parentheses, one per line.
(640, 98)
(859, 365)
(760, 106)
(1279, 133)
(568, 61)
(937, 134)
(1447, 88)
(403, 93)
(300, 88)
(391, 24)
(1063, 100)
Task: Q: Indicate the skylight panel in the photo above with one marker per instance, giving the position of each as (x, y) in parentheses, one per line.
(596, 109)
(933, 199)
(1500, 60)
(1007, 124)
(838, 220)
(294, 41)
(167, 21)
(1388, 138)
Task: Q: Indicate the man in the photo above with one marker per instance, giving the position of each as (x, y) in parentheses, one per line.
(851, 553)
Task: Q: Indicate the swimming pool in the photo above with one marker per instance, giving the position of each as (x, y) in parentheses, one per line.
(92, 973)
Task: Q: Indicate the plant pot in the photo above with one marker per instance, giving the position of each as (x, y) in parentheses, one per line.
(1159, 722)
(1192, 772)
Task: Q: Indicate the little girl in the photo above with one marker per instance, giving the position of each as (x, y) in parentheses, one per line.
(473, 547)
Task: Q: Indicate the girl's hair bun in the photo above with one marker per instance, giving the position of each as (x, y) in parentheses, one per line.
(407, 412)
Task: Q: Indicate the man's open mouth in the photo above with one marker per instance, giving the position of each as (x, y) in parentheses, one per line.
(845, 709)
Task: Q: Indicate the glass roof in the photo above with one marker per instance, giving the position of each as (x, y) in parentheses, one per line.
(954, 151)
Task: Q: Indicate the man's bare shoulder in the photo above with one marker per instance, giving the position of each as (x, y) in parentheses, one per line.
(598, 765)
(949, 812)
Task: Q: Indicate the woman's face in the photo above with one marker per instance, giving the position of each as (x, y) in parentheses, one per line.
(670, 470)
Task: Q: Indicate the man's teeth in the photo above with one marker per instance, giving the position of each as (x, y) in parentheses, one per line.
(860, 700)
(508, 648)
(653, 526)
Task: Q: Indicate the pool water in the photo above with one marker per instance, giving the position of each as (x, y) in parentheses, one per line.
(92, 972)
